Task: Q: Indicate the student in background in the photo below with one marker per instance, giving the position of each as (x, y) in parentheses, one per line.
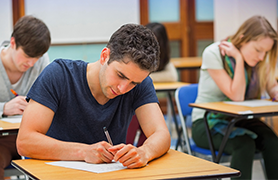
(71, 102)
(166, 71)
(239, 68)
(21, 61)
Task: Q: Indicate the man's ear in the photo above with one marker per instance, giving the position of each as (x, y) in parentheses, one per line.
(104, 55)
(12, 43)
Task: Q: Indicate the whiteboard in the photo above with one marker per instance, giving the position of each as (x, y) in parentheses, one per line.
(83, 21)
(6, 20)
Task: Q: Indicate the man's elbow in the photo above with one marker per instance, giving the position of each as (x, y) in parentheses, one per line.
(20, 145)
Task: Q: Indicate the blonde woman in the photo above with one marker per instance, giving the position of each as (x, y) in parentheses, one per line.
(239, 68)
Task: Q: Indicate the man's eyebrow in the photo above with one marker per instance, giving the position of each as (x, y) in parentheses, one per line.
(128, 78)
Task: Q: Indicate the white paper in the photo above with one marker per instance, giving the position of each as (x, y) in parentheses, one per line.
(12, 119)
(245, 112)
(96, 168)
(253, 103)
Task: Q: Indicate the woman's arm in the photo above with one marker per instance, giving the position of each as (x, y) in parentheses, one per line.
(234, 88)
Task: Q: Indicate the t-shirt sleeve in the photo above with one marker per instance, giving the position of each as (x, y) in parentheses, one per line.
(48, 87)
(144, 93)
(211, 58)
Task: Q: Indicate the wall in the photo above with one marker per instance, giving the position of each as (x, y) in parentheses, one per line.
(230, 14)
(6, 20)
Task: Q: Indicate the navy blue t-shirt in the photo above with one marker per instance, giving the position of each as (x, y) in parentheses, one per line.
(63, 87)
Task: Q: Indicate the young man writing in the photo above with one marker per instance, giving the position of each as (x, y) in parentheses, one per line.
(72, 101)
(21, 61)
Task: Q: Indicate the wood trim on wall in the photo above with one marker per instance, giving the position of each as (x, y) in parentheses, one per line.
(18, 10)
(184, 28)
(144, 12)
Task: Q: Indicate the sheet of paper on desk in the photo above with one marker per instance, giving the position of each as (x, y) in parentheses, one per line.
(12, 119)
(253, 103)
(96, 168)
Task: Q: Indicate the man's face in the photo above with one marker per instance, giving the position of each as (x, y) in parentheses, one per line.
(119, 78)
(21, 60)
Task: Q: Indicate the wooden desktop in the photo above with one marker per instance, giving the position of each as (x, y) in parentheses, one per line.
(7, 128)
(187, 62)
(172, 165)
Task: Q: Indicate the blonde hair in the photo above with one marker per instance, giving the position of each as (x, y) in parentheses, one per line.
(253, 29)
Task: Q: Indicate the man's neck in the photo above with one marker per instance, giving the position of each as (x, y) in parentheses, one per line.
(94, 84)
(7, 61)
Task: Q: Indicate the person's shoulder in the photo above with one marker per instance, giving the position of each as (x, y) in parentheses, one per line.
(69, 62)
(147, 80)
(212, 47)
(146, 83)
(211, 51)
(5, 44)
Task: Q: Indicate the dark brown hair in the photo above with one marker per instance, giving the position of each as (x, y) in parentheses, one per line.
(161, 35)
(136, 42)
(32, 35)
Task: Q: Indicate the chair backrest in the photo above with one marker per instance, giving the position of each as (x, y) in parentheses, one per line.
(185, 95)
(134, 130)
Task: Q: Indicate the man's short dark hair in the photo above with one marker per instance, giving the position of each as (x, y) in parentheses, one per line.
(32, 35)
(137, 43)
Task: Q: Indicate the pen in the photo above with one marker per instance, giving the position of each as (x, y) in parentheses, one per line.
(14, 92)
(273, 99)
(107, 135)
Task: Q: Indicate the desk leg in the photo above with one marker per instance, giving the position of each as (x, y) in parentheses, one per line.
(225, 138)
(211, 146)
(217, 158)
(175, 119)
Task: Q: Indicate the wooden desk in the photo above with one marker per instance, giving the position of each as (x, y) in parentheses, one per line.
(172, 165)
(187, 62)
(169, 87)
(7, 128)
(236, 112)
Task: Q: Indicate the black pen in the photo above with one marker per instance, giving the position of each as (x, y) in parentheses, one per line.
(107, 135)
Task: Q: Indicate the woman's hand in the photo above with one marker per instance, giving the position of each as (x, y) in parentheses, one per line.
(227, 48)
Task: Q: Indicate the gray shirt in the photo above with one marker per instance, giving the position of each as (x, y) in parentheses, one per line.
(23, 85)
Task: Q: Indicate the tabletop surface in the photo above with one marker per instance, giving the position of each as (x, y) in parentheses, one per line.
(173, 164)
(164, 86)
(8, 126)
(187, 62)
(236, 109)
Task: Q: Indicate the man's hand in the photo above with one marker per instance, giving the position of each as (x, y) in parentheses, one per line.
(15, 106)
(98, 153)
(129, 155)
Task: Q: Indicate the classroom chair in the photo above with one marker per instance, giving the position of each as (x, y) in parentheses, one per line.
(134, 131)
(11, 171)
(183, 96)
